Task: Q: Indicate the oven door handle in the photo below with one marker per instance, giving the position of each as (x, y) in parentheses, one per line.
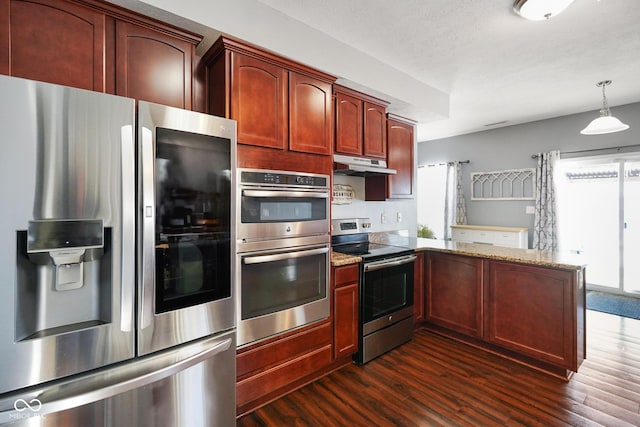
(377, 265)
(273, 193)
(282, 256)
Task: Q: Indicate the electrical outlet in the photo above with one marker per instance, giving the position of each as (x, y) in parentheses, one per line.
(383, 218)
(399, 217)
(530, 210)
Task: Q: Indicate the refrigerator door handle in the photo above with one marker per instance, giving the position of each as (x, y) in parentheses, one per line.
(128, 229)
(148, 225)
(45, 403)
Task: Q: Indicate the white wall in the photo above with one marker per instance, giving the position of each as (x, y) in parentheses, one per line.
(374, 210)
(511, 148)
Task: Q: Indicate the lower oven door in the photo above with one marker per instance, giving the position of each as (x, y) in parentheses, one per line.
(282, 288)
(387, 287)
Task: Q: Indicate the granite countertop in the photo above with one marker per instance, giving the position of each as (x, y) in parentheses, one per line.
(525, 256)
(338, 259)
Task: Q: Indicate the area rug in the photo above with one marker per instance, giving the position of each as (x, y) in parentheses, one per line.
(613, 304)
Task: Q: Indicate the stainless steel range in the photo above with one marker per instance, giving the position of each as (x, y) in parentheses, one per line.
(386, 288)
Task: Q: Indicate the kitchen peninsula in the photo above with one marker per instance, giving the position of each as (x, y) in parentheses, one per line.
(524, 304)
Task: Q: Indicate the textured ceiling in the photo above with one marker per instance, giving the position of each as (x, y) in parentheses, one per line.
(495, 66)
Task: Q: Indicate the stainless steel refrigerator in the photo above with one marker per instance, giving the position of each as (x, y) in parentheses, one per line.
(115, 261)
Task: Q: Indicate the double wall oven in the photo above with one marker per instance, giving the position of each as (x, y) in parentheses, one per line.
(283, 251)
(386, 288)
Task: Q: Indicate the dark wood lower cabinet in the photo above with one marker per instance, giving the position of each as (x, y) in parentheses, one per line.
(454, 292)
(345, 310)
(529, 313)
(532, 310)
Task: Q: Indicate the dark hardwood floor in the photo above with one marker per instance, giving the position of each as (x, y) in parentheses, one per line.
(436, 381)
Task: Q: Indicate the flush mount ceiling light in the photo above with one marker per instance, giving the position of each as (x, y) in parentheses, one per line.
(606, 123)
(537, 10)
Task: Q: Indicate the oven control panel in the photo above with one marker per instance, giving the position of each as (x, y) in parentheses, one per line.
(289, 179)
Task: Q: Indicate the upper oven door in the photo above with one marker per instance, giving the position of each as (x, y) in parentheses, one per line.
(272, 213)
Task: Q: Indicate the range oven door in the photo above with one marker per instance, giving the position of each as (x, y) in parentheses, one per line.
(282, 286)
(186, 286)
(386, 291)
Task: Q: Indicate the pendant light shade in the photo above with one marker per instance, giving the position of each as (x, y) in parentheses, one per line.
(538, 10)
(606, 123)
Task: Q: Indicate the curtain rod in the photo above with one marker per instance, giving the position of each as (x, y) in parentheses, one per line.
(442, 164)
(619, 149)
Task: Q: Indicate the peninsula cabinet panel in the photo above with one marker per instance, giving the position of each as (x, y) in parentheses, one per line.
(152, 66)
(532, 310)
(454, 297)
(400, 146)
(310, 122)
(53, 41)
(418, 289)
(259, 102)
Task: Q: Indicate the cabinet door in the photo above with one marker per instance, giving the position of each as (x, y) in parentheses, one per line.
(375, 131)
(418, 289)
(454, 292)
(345, 309)
(346, 320)
(259, 102)
(310, 122)
(152, 66)
(400, 147)
(53, 41)
(531, 311)
(348, 124)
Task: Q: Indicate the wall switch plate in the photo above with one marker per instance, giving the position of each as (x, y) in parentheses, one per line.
(383, 218)
(530, 210)
(399, 217)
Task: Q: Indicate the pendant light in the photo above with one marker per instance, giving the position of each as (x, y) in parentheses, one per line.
(606, 123)
(538, 10)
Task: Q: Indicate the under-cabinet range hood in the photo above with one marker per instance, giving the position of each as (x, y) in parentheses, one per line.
(360, 166)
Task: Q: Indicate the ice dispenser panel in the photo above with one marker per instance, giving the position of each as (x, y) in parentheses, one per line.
(67, 243)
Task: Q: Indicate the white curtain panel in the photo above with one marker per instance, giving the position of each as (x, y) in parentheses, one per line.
(455, 210)
(545, 227)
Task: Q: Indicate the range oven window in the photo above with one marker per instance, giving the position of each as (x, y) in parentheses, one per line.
(386, 290)
(274, 206)
(274, 282)
(193, 205)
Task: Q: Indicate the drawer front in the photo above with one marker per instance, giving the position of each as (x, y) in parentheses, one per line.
(460, 235)
(482, 236)
(346, 275)
(507, 239)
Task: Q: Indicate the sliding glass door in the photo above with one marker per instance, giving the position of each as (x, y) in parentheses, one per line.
(631, 227)
(599, 217)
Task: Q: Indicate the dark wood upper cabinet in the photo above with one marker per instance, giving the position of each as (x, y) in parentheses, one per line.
(375, 130)
(310, 122)
(400, 147)
(361, 124)
(277, 103)
(348, 124)
(98, 46)
(152, 66)
(53, 41)
(258, 102)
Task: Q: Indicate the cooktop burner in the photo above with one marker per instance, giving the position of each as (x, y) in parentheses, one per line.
(348, 238)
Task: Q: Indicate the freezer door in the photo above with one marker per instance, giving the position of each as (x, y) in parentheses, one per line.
(67, 231)
(192, 386)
